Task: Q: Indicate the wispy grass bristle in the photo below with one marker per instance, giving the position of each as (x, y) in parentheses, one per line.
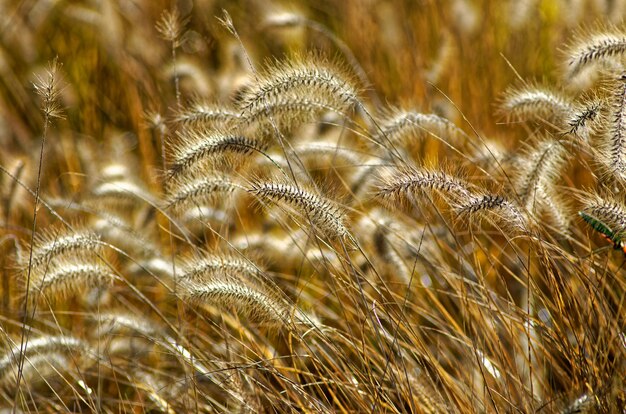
(199, 189)
(68, 275)
(496, 207)
(585, 119)
(287, 112)
(195, 146)
(44, 346)
(204, 115)
(595, 48)
(398, 184)
(401, 126)
(171, 25)
(536, 103)
(613, 155)
(228, 293)
(538, 170)
(204, 267)
(55, 242)
(323, 213)
(48, 87)
(121, 190)
(109, 323)
(310, 76)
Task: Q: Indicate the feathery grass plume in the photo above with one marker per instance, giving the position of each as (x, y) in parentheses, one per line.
(312, 76)
(322, 149)
(399, 126)
(537, 171)
(155, 121)
(520, 11)
(594, 48)
(613, 151)
(442, 62)
(111, 227)
(223, 292)
(45, 346)
(36, 370)
(465, 17)
(402, 235)
(583, 121)
(536, 103)
(156, 266)
(323, 157)
(53, 242)
(200, 114)
(203, 267)
(48, 87)
(607, 217)
(282, 19)
(121, 189)
(191, 75)
(387, 252)
(558, 211)
(198, 145)
(286, 19)
(114, 171)
(288, 112)
(196, 218)
(323, 213)
(171, 27)
(66, 275)
(490, 155)
(199, 189)
(119, 232)
(274, 248)
(113, 322)
(493, 206)
(400, 184)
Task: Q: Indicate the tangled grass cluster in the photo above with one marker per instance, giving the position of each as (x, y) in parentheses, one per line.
(314, 208)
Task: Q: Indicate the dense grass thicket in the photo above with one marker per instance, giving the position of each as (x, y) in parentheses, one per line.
(402, 206)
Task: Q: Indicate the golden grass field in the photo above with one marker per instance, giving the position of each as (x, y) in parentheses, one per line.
(360, 206)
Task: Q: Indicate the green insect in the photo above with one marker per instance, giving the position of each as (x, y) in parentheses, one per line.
(617, 239)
